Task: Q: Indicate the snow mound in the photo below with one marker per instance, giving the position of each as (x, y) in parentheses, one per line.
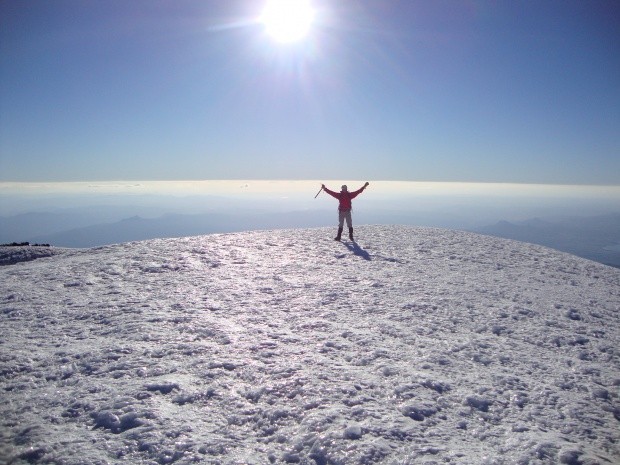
(411, 346)
(10, 255)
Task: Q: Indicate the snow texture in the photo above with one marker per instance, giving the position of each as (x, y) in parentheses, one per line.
(412, 346)
(9, 255)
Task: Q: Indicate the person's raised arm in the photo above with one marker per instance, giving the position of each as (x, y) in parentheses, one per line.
(330, 192)
(359, 191)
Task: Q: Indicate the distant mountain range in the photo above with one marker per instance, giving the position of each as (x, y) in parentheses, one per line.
(137, 228)
(96, 226)
(596, 238)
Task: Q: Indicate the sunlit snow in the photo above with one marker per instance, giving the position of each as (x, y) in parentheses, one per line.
(411, 346)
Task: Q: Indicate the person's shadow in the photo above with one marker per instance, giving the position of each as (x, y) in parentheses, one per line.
(357, 250)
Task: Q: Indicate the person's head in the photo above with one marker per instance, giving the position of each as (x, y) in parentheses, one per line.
(343, 188)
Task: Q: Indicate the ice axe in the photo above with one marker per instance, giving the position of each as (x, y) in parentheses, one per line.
(317, 194)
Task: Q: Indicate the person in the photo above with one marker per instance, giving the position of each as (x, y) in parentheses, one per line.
(344, 207)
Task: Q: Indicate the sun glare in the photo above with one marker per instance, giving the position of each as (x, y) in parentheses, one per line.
(287, 20)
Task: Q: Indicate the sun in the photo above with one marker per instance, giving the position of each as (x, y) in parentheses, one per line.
(287, 20)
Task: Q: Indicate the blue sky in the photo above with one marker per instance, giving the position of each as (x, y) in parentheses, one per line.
(467, 91)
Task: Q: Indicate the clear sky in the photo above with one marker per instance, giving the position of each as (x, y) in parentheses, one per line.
(469, 91)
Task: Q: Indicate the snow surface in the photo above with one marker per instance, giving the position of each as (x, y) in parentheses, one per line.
(9, 255)
(412, 346)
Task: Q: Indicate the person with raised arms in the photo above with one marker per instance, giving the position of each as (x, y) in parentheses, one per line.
(344, 207)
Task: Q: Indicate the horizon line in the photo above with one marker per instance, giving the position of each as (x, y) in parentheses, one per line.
(277, 180)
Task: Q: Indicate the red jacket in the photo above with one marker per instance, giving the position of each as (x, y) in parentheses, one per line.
(344, 197)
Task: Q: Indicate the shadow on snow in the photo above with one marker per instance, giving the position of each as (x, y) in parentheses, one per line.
(357, 250)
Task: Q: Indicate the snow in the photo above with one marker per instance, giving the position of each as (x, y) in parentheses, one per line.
(411, 346)
(10, 255)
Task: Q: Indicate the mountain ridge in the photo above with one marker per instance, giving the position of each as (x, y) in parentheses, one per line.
(587, 237)
(593, 237)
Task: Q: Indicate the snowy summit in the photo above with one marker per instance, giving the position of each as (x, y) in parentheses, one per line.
(411, 346)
